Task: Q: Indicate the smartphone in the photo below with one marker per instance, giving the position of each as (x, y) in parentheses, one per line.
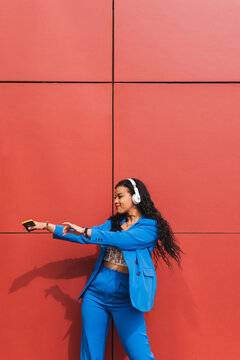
(28, 223)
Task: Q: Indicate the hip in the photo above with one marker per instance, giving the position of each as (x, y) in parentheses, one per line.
(109, 286)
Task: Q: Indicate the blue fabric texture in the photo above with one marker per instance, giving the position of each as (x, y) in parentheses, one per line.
(106, 296)
(137, 244)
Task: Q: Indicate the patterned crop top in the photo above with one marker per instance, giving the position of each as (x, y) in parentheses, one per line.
(114, 256)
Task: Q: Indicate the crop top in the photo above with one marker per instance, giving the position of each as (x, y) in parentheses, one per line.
(114, 256)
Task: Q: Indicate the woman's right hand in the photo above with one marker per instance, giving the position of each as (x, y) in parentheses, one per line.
(38, 226)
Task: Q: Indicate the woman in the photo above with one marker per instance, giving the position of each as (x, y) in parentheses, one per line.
(123, 283)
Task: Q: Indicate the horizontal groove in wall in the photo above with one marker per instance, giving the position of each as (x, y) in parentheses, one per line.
(119, 82)
(55, 82)
(177, 82)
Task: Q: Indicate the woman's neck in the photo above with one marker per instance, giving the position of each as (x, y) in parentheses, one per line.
(133, 217)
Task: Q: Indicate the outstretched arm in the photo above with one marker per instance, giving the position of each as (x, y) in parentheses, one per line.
(73, 233)
(42, 226)
(139, 236)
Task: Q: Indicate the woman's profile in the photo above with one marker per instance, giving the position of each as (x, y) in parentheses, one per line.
(123, 283)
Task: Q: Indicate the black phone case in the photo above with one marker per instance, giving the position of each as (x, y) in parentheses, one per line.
(29, 223)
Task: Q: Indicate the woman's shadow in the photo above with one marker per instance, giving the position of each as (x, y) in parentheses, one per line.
(64, 269)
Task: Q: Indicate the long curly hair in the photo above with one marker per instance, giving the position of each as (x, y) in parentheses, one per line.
(166, 245)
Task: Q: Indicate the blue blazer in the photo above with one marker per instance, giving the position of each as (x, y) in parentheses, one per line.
(137, 244)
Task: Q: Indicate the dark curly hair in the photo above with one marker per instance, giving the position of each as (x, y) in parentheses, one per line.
(167, 244)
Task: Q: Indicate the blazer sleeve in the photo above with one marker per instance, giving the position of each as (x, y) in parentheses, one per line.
(58, 233)
(138, 237)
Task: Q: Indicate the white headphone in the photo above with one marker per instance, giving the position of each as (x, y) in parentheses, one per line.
(136, 198)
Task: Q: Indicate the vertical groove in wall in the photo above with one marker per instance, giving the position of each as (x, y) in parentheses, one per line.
(112, 139)
(112, 106)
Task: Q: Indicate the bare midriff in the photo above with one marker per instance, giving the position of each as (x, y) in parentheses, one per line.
(119, 268)
(110, 264)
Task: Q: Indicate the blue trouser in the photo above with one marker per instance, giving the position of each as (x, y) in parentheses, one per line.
(107, 295)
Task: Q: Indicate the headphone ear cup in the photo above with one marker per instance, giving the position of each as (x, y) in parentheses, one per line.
(136, 199)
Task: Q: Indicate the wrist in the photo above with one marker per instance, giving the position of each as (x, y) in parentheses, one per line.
(45, 226)
(85, 232)
(81, 230)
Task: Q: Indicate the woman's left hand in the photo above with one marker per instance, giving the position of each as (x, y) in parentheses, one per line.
(78, 230)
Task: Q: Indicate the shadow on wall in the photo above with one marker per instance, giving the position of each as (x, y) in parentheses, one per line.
(176, 310)
(65, 269)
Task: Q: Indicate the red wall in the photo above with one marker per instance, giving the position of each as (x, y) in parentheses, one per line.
(174, 124)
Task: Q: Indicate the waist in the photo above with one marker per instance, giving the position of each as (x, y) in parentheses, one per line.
(122, 269)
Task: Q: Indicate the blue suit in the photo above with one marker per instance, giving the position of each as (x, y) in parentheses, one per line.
(122, 296)
(137, 244)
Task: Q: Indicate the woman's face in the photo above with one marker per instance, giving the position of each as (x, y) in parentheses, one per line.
(123, 200)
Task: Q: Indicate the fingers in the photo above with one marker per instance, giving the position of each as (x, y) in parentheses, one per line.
(31, 228)
(66, 229)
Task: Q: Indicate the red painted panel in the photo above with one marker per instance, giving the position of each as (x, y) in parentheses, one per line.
(56, 153)
(56, 40)
(183, 142)
(177, 40)
(42, 279)
(196, 311)
(56, 165)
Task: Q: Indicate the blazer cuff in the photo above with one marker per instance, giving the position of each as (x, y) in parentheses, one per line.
(58, 231)
(95, 238)
(58, 234)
